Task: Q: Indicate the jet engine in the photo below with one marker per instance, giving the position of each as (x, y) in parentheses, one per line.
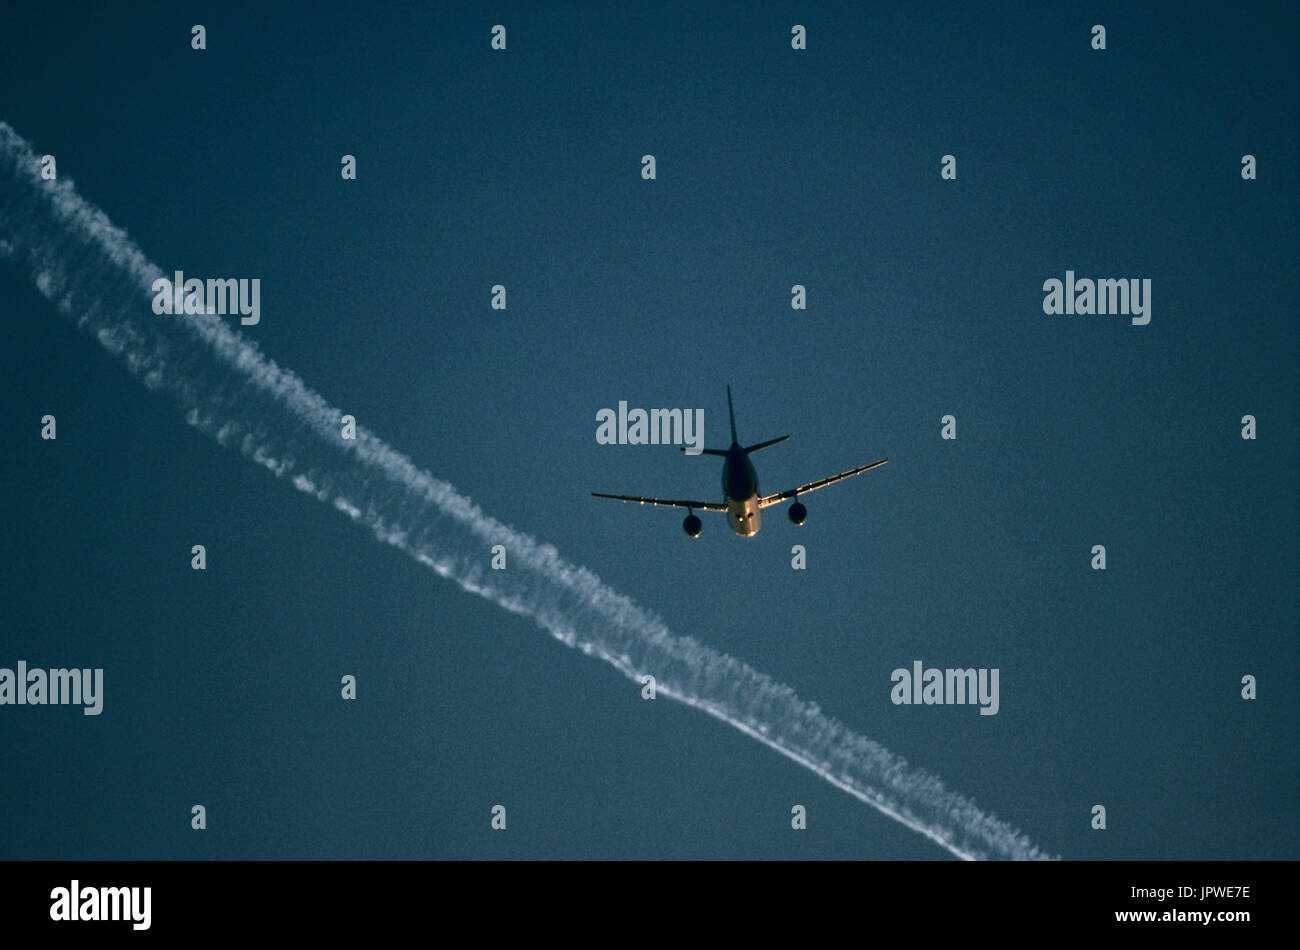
(692, 525)
(798, 513)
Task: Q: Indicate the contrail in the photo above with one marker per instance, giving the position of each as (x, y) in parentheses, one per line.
(93, 273)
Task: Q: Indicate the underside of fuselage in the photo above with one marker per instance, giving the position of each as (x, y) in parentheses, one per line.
(740, 486)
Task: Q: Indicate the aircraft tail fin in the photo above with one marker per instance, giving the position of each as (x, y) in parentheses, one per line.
(732, 413)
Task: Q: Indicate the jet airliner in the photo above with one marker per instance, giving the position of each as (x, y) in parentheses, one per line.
(741, 500)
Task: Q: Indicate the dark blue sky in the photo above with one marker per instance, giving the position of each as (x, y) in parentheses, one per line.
(774, 168)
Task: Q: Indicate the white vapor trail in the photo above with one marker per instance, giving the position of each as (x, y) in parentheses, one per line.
(92, 272)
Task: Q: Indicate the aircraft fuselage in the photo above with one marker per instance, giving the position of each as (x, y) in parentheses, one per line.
(740, 487)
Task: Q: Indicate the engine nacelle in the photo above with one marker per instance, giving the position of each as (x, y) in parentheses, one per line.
(692, 526)
(798, 513)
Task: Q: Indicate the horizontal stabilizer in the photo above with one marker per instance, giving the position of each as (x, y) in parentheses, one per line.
(763, 445)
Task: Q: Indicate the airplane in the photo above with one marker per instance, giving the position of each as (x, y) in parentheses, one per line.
(741, 500)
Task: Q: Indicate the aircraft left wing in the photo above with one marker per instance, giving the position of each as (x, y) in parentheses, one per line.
(779, 497)
(669, 502)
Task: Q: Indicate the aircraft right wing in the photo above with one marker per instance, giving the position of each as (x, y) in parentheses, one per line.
(669, 502)
(813, 486)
